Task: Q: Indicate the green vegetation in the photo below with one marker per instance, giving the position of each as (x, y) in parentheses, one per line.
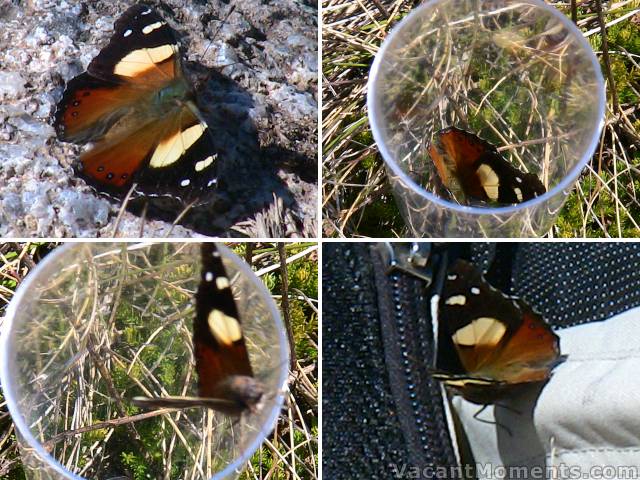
(357, 198)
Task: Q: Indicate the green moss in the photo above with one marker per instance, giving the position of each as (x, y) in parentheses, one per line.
(136, 466)
(381, 218)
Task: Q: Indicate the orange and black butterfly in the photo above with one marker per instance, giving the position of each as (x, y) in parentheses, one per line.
(135, 105)
(489, 343)
(225, 378)
(472, 168)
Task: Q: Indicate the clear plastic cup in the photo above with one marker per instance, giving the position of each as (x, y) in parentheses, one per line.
(518, 74)
(94, 324)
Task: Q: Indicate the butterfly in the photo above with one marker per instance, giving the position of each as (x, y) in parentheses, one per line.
(225, 378)
(472, 169)
(489, 343)
(137, 108)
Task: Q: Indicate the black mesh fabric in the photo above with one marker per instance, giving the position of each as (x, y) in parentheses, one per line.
(360, 430)
(569, 283)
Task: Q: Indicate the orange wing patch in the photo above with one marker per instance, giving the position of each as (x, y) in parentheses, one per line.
(83, 109)
(113, 162)
(461, 148)
(214, 366)
(528, 355)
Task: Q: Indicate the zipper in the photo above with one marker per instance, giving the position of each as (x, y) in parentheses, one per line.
(407, 335)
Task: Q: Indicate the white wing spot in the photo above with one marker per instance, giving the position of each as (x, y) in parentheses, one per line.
(222, 283)
(453, 276)
(456, 300)
(202, 164)
(146, 12)
(208, 276)
(475, 290)
(150, 28)
(518, 179)
(518, 193)
(127, 33)
(212, 182)
(185, 182)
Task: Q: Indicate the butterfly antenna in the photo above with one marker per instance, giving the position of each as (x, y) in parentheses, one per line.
(222, 22)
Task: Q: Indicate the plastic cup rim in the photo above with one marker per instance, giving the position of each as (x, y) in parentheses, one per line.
(569, 178)
(6, 350)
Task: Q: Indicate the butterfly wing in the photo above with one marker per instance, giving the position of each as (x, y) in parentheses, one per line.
(143, 51)
(225, 377)
(175, 151)
(90, 106)
(503, 183)
(498, 339)
(454, 153)
(529, 355)
(471, 166)
(135, 105)
(476, 318)
(126, 73)
(222, 361)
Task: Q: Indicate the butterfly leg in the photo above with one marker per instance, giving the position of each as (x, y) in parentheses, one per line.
(490, 422)
(509, 408)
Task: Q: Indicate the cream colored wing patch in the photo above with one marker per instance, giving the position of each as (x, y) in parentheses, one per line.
(484, 331)
(224, 328)
(456, 300)
(518, 193)
(222, 283)
(171, 148)
(142, 60)
(463, 382)
(489, 180)
(154, 26)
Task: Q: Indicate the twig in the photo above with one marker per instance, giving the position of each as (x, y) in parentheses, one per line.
(380, 7)
(285, 303)
(114, 422)
(248, 256)
(181, 216)
(605, 57)
(123, 208)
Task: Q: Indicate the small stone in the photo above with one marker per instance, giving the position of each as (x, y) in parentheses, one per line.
(11, 85)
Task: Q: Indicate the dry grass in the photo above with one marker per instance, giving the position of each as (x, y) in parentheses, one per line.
(357, 199)
(16, 260)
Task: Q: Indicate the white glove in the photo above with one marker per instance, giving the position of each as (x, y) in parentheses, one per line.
(585, 423)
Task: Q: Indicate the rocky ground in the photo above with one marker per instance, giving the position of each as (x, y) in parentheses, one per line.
(257, 86)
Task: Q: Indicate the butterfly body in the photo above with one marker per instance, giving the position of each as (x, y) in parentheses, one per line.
(138, 110)
(225, 378)
(473, 169)
(235, 395)
(492, 344)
